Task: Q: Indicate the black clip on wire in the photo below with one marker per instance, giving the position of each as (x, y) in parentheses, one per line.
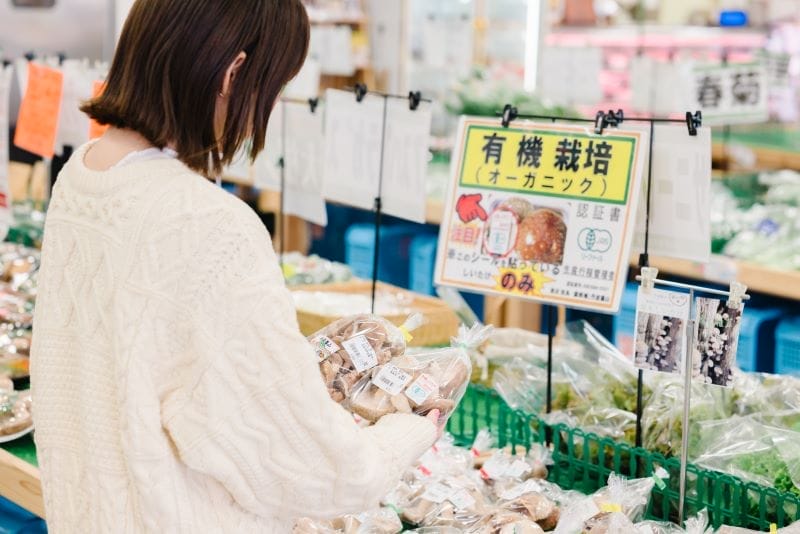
(614, 118)
(414, 98)
(361, 91)
(312, 104)
(62, 57)
(30, 56)
(509, 114)
(6, 63)
(694, 121)
(599, 122)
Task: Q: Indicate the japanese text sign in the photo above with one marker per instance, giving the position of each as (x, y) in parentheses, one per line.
(730, 94)
(37, 124)
(541, 211)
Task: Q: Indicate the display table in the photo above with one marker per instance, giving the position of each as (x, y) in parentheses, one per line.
(774, 147)
(19, 475)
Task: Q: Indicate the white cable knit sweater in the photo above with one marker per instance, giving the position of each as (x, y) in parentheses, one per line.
(173, 390)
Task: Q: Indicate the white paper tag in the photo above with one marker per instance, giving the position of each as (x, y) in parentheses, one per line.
(461, 499)
(391, 379)
(361, 352)
(324, 347)
(437, 493)
(494, 468)
(530, 486)
(518, 468)
(422, 388)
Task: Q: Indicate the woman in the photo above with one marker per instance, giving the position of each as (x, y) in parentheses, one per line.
(173, 390)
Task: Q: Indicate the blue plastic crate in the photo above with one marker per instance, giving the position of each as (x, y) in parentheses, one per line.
(15, 520)
(393, 260)
(756, 350)
(787, 349)
(423, 266)
(625, 320)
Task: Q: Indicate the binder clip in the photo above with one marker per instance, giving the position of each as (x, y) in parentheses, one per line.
(6, 63)
(737, 294)
(414, 98)
(30, 56)
(62, 57)
(312, 104)
(694, 121)
(649, 275)
(509, 114)
(614, 118)
(599, 122)
(361, 91)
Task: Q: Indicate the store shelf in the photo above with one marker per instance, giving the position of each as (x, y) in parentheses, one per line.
(770, 147)
(723, 270)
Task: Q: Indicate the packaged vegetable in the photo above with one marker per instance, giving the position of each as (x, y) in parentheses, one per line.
(507, 522)
(382, 521)
(351, 347)
(15, 412)
(450, 501)
(418, 384)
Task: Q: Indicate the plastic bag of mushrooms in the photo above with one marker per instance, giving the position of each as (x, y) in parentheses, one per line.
(365, 366)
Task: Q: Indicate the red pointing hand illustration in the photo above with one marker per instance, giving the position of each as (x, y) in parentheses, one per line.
(469, 208)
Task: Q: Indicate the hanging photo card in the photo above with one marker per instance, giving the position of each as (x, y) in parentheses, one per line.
(731, 94)
(680, 225)
(716, 340)
(303, 153)
(405, 161)
(541, 211)
(37, 123)
(660, 333)
(266, 169)
(353, 133)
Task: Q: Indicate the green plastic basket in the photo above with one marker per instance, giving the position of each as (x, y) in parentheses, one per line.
(583, 461)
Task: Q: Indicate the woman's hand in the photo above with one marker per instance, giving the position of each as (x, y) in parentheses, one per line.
(433, 417)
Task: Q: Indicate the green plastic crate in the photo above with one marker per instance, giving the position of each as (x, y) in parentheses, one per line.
(583, 461)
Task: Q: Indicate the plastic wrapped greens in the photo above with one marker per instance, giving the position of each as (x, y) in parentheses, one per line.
(420, 383)
(351, 347)
(751, 450)
(302, 270)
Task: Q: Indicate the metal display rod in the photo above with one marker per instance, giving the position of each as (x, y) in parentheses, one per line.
(736, 295)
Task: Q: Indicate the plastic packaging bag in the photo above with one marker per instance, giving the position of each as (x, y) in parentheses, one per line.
(594, 514)
(506, 522)
(15, 412)
(504, 467)
(351, 347)
(382, 521)
(529, 500)
(419, 383)
(451, 502)
(301, 270)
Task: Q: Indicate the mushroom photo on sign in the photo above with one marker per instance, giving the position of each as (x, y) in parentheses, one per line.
(716, 339)
(660, 336)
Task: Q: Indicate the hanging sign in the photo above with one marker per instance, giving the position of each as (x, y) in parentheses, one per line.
(732, 93)
(6, 216)
(541, 211)
(662, 318)
(37, 124)
(303, 149)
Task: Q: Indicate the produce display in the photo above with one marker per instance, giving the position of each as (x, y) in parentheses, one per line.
(18, 268)
(332, 303)
(751, 430)
(15, 411)
(305, 270)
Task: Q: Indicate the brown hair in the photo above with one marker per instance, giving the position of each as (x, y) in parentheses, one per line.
(170, 64)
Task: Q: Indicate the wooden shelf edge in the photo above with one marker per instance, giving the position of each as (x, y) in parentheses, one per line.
(723, 270)
(21, 483)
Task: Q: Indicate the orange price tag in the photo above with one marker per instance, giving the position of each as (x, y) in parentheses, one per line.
(95, 128)
(37, 123)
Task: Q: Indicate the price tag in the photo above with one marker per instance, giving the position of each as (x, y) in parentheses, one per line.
(361, 352)
(324, 347)
(611, 507)
(530, 486)
(437, 493)
(461, 499)
(391, 379)
(494, 468)
(422, 388)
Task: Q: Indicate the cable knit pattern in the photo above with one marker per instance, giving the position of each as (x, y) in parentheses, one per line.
(173, 390)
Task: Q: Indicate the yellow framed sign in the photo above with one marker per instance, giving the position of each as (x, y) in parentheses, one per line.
(541, 211)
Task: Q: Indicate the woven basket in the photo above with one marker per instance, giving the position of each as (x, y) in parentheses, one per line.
(439, 326)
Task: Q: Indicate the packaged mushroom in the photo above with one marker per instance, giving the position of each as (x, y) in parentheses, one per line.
(507, 522)
(514, 465)
(528, 501)
(15, 414)
(382, 521)
(419, 383)
(350, 348)
(446, 502)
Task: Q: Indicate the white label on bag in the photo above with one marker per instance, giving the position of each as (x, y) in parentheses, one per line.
(530, 486)
(518, 468)
(391, 379)
(324, 347)
(461, 499)
(437, 493)
(422, 388)
(361, 352)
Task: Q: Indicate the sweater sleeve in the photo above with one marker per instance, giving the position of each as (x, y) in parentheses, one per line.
(259, 419)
